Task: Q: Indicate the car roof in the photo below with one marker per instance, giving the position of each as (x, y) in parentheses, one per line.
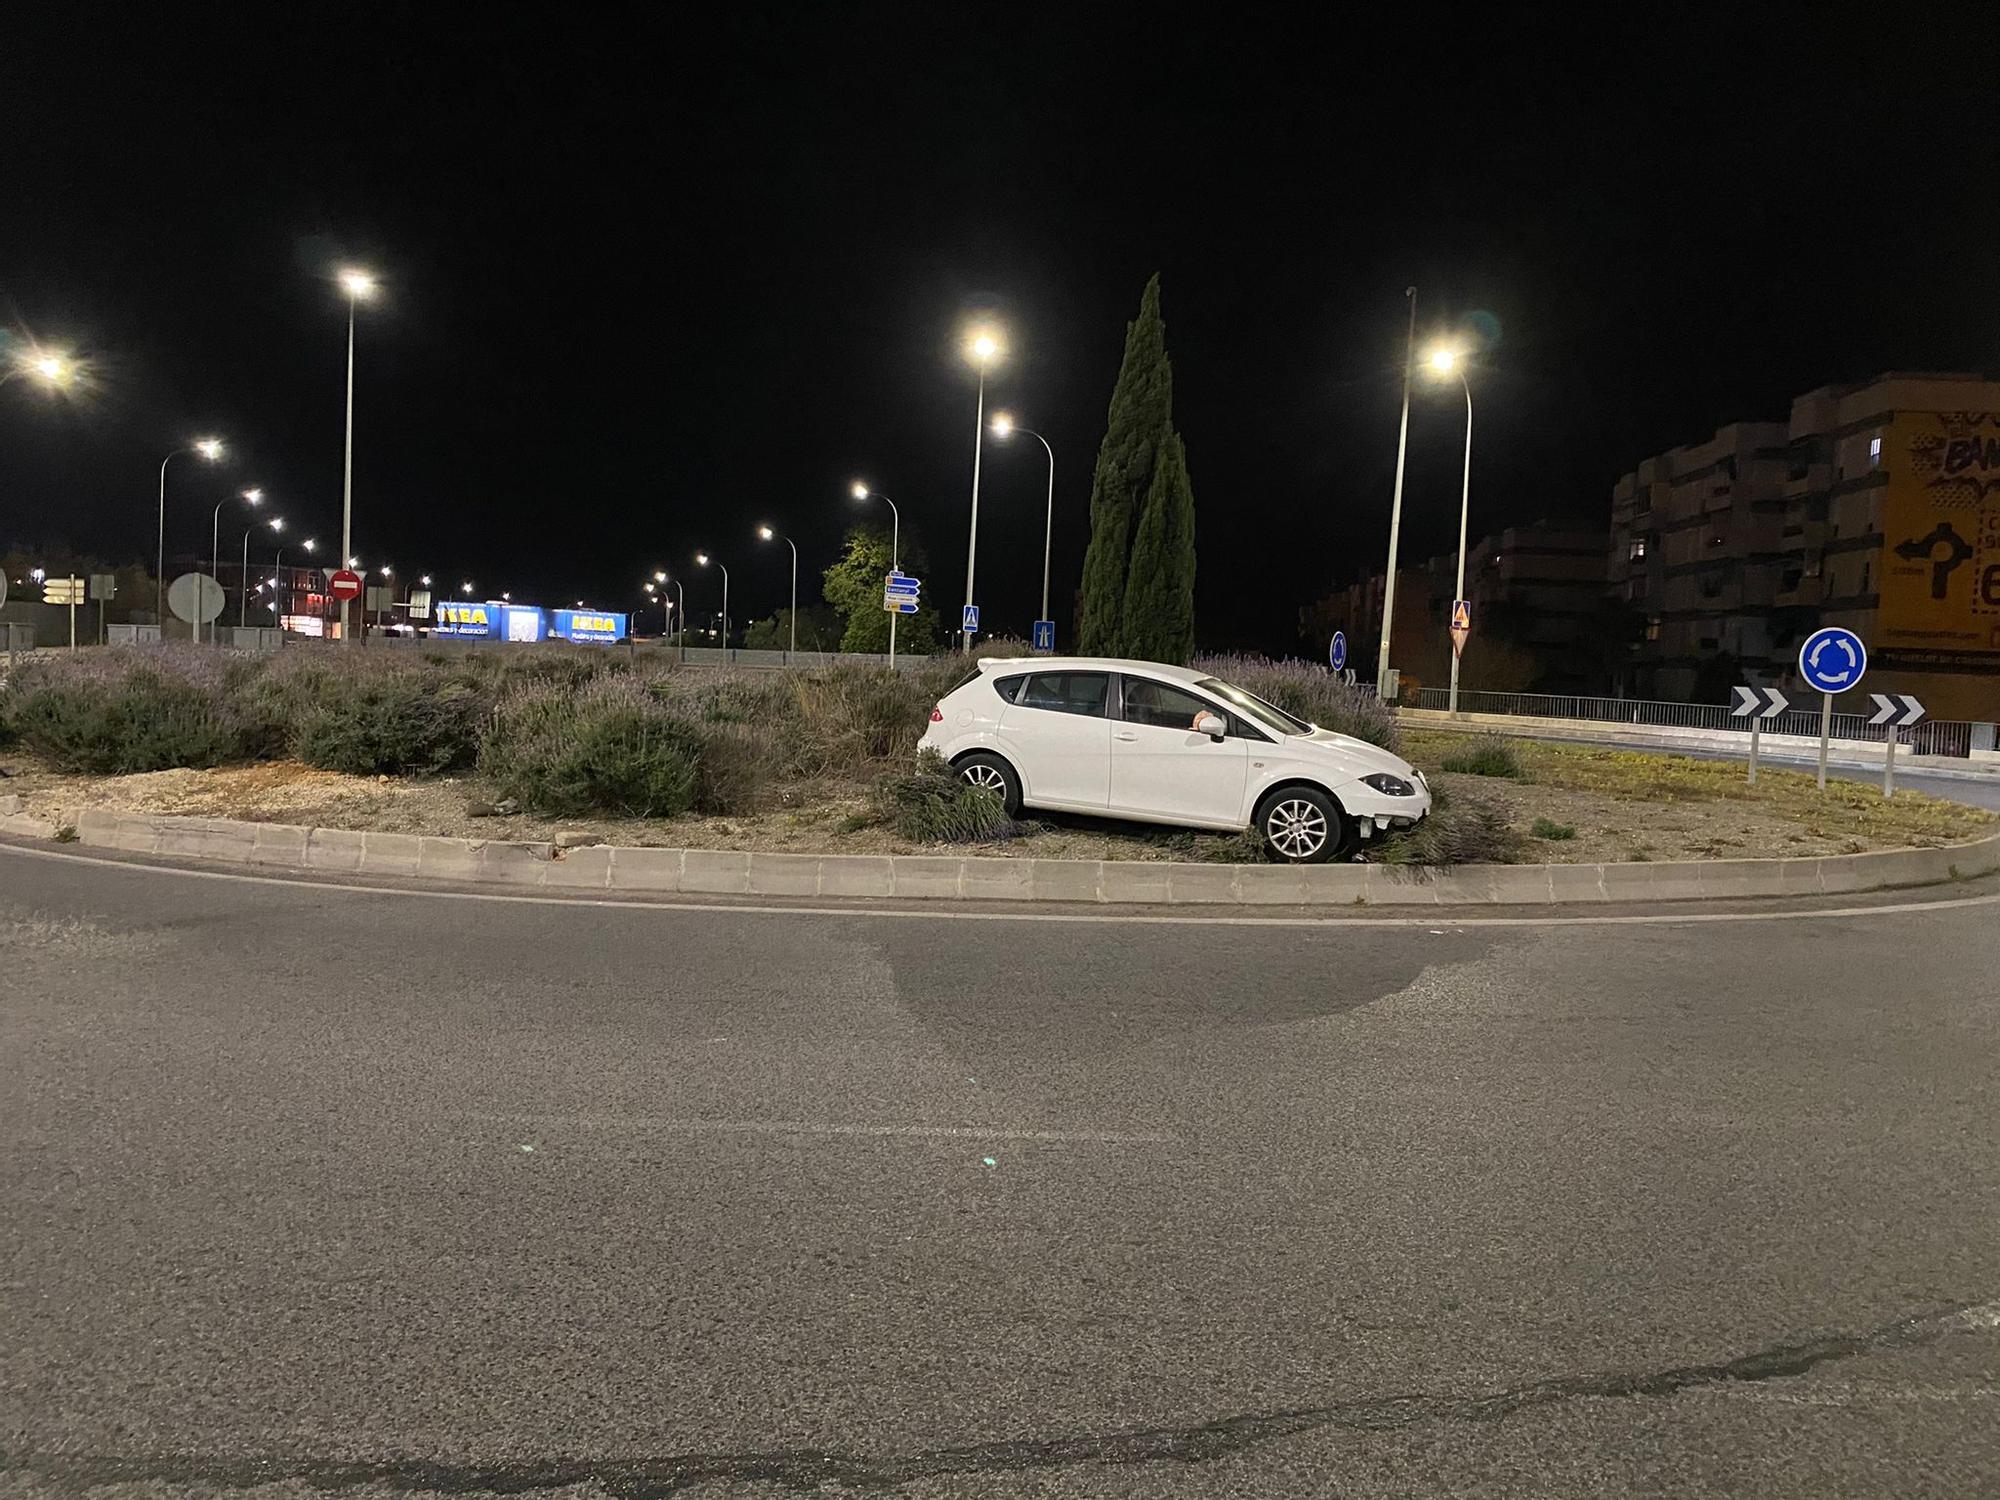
(1093, 664)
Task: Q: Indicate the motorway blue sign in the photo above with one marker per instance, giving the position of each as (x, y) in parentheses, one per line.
(1832, 659)
(970, 620)
(1336, 653)
(1045, 635)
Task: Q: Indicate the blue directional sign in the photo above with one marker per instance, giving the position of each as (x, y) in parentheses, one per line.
(902, 583)
(1832, 659)
(900, 591)
(1045, 635)
(971, 619)
(1336, 654)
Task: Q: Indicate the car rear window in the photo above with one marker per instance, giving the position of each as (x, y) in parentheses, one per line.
(1066, 692)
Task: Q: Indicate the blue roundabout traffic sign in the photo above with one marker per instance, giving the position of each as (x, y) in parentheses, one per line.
(1832, 659)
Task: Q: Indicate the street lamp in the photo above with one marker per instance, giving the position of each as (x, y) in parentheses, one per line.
(982, 347)
(767, 534)
(1444, 362)
(278, 567)
(1396, 508)
(681, 606)
(465, 588)
(210, 449)
(45, 366)
(276, 523)
(860, 491)
(704, 559)
(1004, 427)
(359, 285)
(253, 498)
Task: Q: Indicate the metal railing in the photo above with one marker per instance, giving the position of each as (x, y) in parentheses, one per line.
(1931, 737)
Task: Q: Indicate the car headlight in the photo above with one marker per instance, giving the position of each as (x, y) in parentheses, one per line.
(1389, 786)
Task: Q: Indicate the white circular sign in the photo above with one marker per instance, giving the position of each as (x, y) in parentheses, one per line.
(195, 597)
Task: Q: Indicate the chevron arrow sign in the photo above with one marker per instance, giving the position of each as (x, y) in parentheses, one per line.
(1759, 703)
(1897, 710)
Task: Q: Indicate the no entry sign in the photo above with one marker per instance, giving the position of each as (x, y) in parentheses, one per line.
(344, 584)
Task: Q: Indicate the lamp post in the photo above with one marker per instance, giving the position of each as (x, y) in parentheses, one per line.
(359, 285)
(210, 449)
(767, 534)
(704, 559)
(252, 498)
(860, 491)
(278, 584)
(681, 599)
(1004, 426)
(1396, 508)
(1446, 361)
(982, 348)
(276, 523)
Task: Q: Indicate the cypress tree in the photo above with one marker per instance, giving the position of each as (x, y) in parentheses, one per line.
(1159, 593)
(1141, 416)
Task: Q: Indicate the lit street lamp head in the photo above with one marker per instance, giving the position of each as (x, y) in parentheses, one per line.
(702, 558)
(659, 575)
(1003, 425)
(766, 533)
(254, 497)
(425, 580)
(982, 346)
(1444, 360)
(277, 523)
(310, 545)
(209, 448)
(358, 284)
(465, 588)
(858, 490)
(385, 570)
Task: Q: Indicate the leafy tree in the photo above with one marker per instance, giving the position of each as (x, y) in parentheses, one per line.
(853, 586)
(1159, 590)
(819, 630)
(1140, 420)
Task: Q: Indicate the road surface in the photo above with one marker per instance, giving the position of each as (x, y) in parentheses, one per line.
(335, 1190)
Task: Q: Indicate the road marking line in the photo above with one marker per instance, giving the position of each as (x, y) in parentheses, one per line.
(1430, 918)
(809, 1127)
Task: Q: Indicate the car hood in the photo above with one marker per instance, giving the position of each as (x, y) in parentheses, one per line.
(1358, 757)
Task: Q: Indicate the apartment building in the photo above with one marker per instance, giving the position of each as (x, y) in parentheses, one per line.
(1875, 506)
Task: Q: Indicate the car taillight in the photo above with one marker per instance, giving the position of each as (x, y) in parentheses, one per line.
(937, 716)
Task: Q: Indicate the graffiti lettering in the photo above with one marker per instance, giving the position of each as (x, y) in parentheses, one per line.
(1961, 454)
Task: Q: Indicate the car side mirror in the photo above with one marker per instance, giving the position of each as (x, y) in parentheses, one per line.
(1212, 725)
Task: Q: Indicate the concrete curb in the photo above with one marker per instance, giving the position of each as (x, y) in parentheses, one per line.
(603, 867)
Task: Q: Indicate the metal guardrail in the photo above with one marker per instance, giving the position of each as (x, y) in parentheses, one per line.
(1931, 737)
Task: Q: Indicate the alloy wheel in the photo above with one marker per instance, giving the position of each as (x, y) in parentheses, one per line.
(1297, 828)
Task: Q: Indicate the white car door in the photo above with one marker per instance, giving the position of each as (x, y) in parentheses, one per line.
(1056, 733)
(1161, 768)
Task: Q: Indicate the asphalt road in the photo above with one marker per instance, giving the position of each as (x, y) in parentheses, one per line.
(336, 1190)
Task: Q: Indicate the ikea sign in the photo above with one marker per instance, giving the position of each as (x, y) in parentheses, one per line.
(481, 621)
(588, 625)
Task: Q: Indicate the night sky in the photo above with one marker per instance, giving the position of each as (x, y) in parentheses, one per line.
(650, 283)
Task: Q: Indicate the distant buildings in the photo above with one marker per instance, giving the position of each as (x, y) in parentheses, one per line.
(1875, 506)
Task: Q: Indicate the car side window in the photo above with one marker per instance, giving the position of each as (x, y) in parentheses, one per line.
(1164, 707)
(1009, 688)
(1066, 692)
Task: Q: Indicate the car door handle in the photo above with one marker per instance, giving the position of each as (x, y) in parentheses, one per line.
(1125, 734)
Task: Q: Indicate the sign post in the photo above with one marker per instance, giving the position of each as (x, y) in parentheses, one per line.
(1895, 712)
(1831, 660)
(1757, 704)
(900, 592)
(64, 591)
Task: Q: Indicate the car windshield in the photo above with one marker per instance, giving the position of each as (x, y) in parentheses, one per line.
(1265, 715)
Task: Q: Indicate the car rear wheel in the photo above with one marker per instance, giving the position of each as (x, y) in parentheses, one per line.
(982, 769)
(1302, 825)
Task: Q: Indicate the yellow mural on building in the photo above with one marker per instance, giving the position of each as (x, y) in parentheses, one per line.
(1940, 570)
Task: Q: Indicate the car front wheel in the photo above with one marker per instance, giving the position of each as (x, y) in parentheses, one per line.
(981, 769)
(1302, 825)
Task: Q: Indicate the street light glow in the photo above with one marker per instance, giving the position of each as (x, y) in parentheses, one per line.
(858, 490)
(702, 558)
(1002, 424)
(982, 346)
(465, 588)
(357, 283)
(310, 545)
(209, 448)
(277, 523)
(650, 587)
(38, 574)
(659, 576)
(255, 497)
(1444, 359)
(766, 533)
(425, 580)
(354, 562)
(385, 570)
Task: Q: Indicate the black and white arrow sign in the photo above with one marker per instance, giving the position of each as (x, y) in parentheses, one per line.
(1758, 702)
(1897, 710)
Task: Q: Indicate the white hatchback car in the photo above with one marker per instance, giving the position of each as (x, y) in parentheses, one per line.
(1160, 744)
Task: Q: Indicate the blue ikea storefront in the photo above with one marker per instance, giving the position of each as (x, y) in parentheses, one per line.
(500, 621)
